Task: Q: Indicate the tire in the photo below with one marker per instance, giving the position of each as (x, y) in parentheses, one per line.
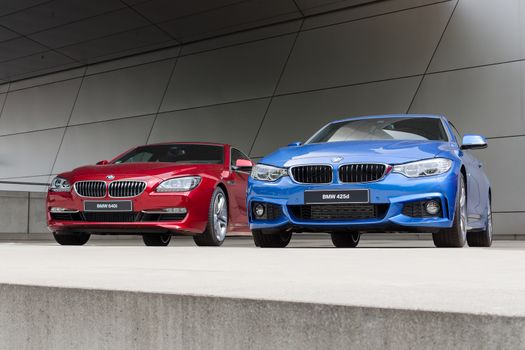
(217, 227)
(71, 238)
(456, 236)
(482, 238)
(271, 238)
(345, 239)
(156, 240)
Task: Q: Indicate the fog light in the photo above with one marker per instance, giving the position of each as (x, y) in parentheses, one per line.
(175, 210)
(166, 211)
(432, 207)
(62, 210)
(259, 210)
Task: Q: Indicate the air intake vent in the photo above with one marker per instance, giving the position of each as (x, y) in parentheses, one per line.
(342, 212)
(361, 172)
(312, 174)
(126, 189)
(110, 216)
(93, 189)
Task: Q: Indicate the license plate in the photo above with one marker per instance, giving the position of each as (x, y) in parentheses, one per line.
(335, 197)
(117, 206)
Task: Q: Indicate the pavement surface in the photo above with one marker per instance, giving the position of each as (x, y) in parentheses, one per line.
(406, 274)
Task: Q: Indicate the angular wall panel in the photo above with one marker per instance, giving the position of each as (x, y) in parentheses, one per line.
(395, 45)
(87, 144)
(41, 107)
(486, 100)
(372, 9)
(504, 163)
(47, 79)
(122, 93)
(228, 74)
(234, 123)
(509, 223)
(296, 117)
(28, 154)
(242, 37)
(14, 212)
(482, 32)
(28, 188)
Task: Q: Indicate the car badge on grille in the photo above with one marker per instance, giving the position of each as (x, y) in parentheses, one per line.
(337, 159)
(110, 177)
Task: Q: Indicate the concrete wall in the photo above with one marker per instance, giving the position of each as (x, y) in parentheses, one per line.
(58, 318)
(263, 88)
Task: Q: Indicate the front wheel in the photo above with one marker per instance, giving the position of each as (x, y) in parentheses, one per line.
(271, 238)
(217, 227)
(71, 238)
(456, 236)
(345, 239)
(482, 238)
(155, 240)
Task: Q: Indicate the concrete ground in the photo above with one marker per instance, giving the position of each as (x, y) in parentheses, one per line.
(406, 274)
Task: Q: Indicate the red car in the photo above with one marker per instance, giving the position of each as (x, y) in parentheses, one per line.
(157, 191)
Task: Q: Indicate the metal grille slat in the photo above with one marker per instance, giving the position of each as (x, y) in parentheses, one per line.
(126, 188)
(312, 174)
(355, 173)
(93, 189)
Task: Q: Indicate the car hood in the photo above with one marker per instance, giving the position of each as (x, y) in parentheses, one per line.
(384, 151)
(139, 170)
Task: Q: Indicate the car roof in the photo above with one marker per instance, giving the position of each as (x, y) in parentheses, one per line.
(431, 116)
(185, 143)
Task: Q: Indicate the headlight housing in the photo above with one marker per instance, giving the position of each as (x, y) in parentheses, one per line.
(59, 184)
(428, 167)
(179, 184)
(268, 173)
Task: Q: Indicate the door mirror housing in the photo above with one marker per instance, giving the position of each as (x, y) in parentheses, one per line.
(295, 144)
(473, 142)
(103, 162)
(243, 165)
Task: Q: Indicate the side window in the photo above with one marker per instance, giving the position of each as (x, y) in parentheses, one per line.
(236, 154)
(456, 133)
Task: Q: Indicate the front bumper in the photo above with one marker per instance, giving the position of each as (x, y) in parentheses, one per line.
(194, 222)
(392, 192)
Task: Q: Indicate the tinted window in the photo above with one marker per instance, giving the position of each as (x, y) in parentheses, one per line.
(456, 134)
(383, 129)
(175, 153)
(236, 154)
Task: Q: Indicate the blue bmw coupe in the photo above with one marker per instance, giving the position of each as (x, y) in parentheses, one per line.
(394, 173)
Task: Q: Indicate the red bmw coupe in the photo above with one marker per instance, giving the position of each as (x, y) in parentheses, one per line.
(157, 191)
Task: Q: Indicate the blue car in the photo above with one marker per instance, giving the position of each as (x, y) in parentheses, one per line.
(393, 173)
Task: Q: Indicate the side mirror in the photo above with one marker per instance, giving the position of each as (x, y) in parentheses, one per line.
(243, 165)
(296, 144)
(103, 162)
(473, 142)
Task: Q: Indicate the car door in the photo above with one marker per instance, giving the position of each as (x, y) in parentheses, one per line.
(237, 184)
(474, 169)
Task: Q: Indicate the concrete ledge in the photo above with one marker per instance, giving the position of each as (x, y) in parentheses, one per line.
(61, 318)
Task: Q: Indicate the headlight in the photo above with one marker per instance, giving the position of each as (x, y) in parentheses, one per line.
(427, 167)
(268, 173)
(60, 184)
(179, 184)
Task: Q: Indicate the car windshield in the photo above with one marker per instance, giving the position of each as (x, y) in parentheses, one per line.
(400, 128)
(175, 153)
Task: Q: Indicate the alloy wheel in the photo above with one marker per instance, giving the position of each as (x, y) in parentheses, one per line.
(463, 210)
(220, 216)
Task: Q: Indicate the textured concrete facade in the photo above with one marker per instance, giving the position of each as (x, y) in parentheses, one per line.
(63, 318)
(264, 88)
